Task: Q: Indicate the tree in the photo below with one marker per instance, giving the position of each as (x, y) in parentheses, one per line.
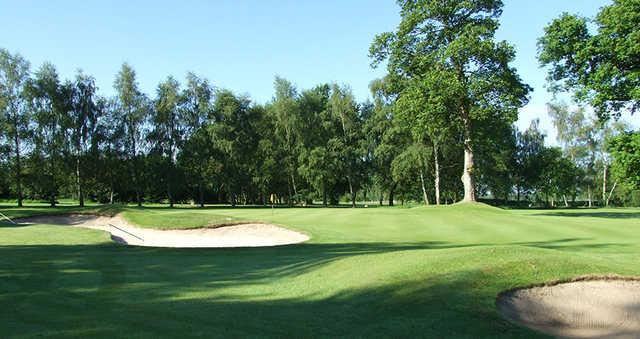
(557, 175)
(51, 103)
(287, 124)
(583, 139)
(85, 113)
(599, 66)
(15, 117)
(625, 152)
(268, 160)
(496, 160)
(454, 40)
(423, 107)
(133, 107)
(166, 135)
(196, 155)
(386, 136)
(319, 159)
(320, 166)
(108, 143)
(344, 109)
(409, 165)
(528, 164)
(235, 138)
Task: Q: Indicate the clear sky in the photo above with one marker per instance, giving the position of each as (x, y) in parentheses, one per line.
(243, 44)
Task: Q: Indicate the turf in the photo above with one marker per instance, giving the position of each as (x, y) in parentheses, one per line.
(367, 272)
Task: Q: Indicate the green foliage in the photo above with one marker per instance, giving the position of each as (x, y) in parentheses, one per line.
(625, 151)
(599, 66)
(444, 63)
(583, 139)
(234, 135)
(50, 101)
(449, 89)
(558, 175)
(14, 113)
(133, 110)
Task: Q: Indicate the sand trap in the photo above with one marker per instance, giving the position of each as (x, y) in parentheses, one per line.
(243, 235)
(607, 308)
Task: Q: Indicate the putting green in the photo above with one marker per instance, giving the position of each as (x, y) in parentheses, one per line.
(367, 272)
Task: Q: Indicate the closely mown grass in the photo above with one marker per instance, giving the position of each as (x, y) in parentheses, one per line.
(376, 272)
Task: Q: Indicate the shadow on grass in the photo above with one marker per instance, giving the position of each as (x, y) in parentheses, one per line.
(574, 244)
(109, 290)
(594, 214)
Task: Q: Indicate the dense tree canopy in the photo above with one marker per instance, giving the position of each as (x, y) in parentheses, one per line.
(600, 65)
(446, 106)
(444, 60)
(14, 121)
(625, 150)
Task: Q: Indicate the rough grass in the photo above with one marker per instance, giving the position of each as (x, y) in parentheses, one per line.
(367, 272)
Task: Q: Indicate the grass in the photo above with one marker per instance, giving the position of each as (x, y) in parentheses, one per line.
(376, 272)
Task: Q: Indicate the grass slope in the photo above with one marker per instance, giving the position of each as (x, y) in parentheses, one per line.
(367, 272)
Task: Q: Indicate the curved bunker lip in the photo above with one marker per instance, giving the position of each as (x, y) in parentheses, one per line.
(237, 235)
(584, 307)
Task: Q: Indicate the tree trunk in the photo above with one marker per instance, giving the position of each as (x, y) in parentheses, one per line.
(295, 189)
(16, 140)
(134, 173)
(138, 197)
(436, 183)
(134, 158)
(290, 196)
(111, 196)
(52, 192)
(79, 182)
(324, 194)
(391, 193)
(424, 189)
(381, 198)
(589, 194)
(467, 172)
(610, 193)
(200, 192)
(169, 178)
(353, 193)
(566, 204)
(604, 185)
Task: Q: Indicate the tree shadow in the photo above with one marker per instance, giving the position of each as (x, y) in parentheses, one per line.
(6, 224)
(108, 290)
(594, 214)
(568, 244)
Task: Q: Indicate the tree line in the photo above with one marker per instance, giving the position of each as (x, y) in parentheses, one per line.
(438, 129)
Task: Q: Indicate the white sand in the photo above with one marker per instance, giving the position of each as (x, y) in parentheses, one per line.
(581, 309)
(243, 235)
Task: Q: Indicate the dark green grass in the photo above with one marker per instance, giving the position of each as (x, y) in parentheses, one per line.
(384, 272)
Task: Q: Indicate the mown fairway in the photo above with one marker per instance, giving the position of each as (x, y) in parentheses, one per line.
(367, 272)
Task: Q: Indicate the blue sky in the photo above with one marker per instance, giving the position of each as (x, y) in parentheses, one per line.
(243, 44)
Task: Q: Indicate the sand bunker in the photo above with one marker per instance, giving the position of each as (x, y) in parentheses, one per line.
(242, 235)
(607, 308)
